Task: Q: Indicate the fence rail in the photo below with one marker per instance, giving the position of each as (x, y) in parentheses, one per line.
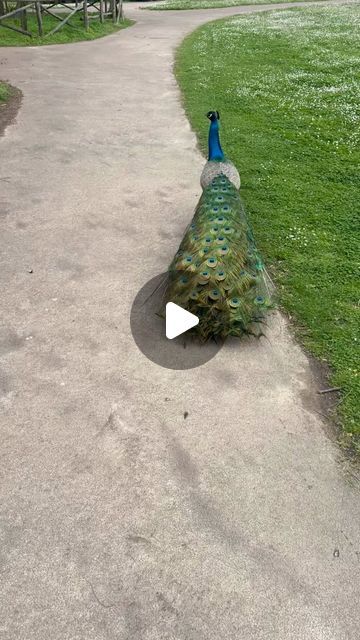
(99, 9)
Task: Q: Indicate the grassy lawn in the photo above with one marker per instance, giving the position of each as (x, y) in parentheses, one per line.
(287, 88)
(208, 4)
(65, 35)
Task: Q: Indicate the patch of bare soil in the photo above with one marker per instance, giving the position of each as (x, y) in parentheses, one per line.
(325, 402)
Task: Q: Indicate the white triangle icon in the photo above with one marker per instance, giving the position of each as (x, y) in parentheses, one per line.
(178, 320)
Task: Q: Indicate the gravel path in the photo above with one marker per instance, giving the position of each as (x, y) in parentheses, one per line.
(120, 519)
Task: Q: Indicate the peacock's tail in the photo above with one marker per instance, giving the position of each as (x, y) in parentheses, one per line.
(217, 273)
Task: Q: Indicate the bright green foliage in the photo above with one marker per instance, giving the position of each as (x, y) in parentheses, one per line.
(65, 35)
(287, 86)
(217, 273)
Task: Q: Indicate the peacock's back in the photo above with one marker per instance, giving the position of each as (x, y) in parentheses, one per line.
(212, 169)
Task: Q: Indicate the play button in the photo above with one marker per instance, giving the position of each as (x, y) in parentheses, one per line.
(162, 334)
(178, 320)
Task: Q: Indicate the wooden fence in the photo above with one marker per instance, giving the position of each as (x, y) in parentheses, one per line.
(89, 9)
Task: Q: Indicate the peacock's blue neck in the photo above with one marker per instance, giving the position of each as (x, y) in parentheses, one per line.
(215, 150)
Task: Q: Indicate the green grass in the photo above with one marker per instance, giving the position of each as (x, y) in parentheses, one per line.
(164, 5)
(4, 92)
(65, 35)
(287, 88)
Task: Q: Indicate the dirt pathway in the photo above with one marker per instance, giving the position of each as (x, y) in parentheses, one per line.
(120, 519)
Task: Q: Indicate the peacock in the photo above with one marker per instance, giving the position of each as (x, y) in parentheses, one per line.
(217, 273)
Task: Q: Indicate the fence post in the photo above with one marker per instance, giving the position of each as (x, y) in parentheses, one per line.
(39, 17)
(113, 10)
(24, 20)
(86, 16)
(101, 10)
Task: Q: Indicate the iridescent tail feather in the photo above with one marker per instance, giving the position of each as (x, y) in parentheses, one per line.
(217, 272)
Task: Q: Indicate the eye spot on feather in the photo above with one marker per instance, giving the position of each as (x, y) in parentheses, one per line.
(220, 219)
(224, 250)
(215, 209)
(220, 240)
(221, 275)
(194, 295)
(208, 240)
(259, 300)
(226, 207)
(211, 262)
(234, 303)
(204, 277)
(219, 198)
(228, 230)
(214, 229)
(214, 294)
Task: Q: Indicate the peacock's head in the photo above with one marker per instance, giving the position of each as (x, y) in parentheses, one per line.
(213, 116)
